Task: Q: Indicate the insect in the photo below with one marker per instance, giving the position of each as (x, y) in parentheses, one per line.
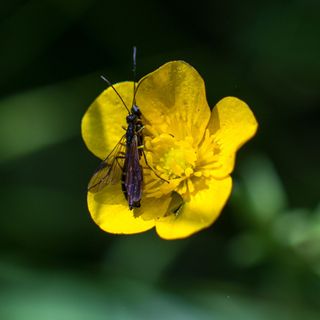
(123, 162)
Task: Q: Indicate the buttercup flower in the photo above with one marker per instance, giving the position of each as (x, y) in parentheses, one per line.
(191, 148)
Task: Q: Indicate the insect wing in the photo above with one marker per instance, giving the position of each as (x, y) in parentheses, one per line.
(109, 170)
(133, 179)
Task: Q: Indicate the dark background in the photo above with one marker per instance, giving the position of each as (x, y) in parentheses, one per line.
(260, 260)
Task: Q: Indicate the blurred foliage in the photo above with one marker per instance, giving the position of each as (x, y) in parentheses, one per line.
(261, 260)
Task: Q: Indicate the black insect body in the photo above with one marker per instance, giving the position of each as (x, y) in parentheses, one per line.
(132, 176)
(124, 159)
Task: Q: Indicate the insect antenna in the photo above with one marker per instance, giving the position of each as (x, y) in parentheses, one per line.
(114, 89)
(134, 69)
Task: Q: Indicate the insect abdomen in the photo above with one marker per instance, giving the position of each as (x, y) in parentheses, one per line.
(123, 185)
(131, 178)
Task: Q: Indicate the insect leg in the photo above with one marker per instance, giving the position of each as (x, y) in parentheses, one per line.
(140, 129)
(148, 165)
(117, 159)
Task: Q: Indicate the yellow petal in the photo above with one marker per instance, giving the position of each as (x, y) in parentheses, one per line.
(232, 123)
(173, 100)
(198, 213)
(102, 123)
(152, 208)
(110, 211)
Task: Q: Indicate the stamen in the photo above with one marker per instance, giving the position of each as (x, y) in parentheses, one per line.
(190, 185)
(179, 162)
(188, 172)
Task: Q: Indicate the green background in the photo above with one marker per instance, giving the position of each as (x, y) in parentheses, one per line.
(260, 260)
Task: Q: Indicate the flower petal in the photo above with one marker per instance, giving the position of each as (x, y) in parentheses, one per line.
(232, 123)
(102, 123)
(152, 208)
(198, 213)
(173, 100)
(110, 211)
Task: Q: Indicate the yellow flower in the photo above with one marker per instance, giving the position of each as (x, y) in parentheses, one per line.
(190, 147)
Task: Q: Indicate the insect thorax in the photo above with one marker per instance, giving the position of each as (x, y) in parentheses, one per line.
(136, 110)
(135, 116)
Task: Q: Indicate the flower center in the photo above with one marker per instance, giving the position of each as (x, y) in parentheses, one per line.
(177, 165)
(173, 160)
(178, 161)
